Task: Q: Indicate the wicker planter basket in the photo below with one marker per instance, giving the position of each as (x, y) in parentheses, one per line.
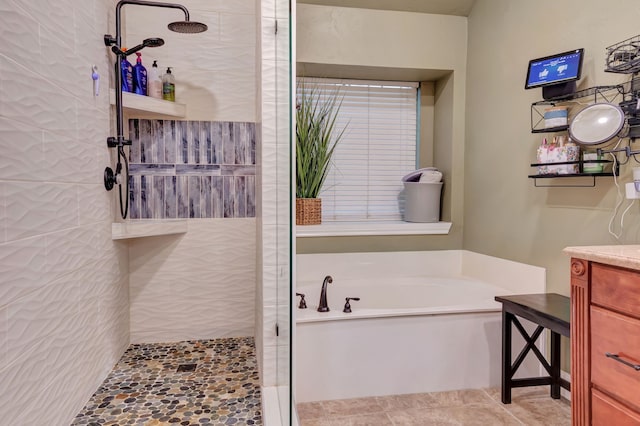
(308, 211)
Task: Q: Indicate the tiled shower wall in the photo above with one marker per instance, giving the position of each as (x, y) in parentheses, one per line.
(200, 284)
(64, 299)
(192, 169)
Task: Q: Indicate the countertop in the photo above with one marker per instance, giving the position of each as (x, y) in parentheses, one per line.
(625, 256)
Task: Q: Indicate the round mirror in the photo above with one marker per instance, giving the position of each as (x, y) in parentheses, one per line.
(596, 124)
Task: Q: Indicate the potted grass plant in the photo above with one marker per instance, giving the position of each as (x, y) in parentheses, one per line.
(316, 141)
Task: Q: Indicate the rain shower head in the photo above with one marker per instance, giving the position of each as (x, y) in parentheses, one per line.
(187, 27)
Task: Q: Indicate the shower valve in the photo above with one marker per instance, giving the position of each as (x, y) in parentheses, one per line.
(109, 179)
(113, 142)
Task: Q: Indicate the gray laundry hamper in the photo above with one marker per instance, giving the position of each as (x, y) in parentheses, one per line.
(422, 199)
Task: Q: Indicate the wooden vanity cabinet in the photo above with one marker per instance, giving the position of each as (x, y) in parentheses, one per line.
(605, 344)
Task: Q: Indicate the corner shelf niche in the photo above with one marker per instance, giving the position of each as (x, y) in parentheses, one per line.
(138, 106)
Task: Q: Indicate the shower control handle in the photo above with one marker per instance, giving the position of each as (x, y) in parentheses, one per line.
(347, 305)
(303, 303)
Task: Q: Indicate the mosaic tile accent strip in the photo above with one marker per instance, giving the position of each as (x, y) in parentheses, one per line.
(191, 169)
(146, 388)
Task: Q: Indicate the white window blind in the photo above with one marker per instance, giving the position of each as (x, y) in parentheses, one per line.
(377, 149)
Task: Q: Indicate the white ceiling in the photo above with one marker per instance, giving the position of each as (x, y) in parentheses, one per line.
(440, 7)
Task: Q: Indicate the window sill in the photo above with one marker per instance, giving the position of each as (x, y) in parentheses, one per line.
(343, 229)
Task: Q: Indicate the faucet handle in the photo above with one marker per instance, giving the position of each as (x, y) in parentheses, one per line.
(347, 305)
(303, 303)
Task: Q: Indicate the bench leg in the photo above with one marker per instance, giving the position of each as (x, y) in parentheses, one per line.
(555, 365)
(507, 318)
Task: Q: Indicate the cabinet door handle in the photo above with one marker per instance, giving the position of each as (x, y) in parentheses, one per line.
(616, 357)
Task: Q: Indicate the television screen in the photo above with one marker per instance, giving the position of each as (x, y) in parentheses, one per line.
(555, 69)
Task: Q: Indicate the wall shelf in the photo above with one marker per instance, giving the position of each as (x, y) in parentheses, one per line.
(610, 94)
(550, 129)
(147, 228)
(138, 106)
(573, 175)
(582, 174)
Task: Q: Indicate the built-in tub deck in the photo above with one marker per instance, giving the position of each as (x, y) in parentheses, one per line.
(403, 296)
(426, 322)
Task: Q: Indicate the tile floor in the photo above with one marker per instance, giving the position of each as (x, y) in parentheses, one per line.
(530, 406)
(145, 388)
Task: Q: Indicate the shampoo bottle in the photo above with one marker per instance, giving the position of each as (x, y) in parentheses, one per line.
(127, 74)
(154, 82)
(139, 77)
(168, 86)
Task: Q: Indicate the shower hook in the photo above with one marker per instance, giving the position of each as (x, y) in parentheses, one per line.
(119, 141)
(96, 80)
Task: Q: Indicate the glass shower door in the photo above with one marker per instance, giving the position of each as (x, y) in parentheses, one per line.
(273, 331)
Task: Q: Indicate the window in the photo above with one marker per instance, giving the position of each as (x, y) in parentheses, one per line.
(377, 149)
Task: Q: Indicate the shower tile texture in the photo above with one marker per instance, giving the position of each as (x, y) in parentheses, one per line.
(200, 285)
(64, 296)
(145, 386)
(192, 169)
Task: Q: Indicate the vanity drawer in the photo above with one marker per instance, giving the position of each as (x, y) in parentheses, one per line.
(618, 373)
(615, 288)
(606, 411)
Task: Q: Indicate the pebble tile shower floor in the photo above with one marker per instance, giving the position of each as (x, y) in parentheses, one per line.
(145, 387)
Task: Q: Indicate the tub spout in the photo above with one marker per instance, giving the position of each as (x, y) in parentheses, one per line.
(323, 306)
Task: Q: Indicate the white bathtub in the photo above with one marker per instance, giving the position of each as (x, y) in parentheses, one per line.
(426, 321)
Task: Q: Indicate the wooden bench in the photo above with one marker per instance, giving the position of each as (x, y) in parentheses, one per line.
(547, 310)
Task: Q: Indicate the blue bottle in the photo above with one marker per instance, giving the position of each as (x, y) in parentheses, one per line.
(127, 75)
(139, 77)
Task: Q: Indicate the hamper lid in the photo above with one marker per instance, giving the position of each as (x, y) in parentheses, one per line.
(415, 175)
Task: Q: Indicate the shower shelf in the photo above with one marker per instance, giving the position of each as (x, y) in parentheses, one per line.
(138, 106)
(147, 228)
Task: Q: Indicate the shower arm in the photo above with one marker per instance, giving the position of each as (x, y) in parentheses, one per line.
(119, 140)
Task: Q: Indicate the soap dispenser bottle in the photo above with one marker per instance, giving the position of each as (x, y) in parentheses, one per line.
(139, 77)
(154, 82)
(168, 86)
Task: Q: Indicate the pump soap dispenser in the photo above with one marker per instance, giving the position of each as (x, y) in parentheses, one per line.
(154, 82)
(168, 86)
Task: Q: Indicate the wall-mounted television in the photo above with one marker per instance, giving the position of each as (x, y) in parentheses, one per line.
(557, 73)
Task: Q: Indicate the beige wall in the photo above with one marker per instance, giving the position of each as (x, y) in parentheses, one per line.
(64, 302)
(505, 215)
(390, 44)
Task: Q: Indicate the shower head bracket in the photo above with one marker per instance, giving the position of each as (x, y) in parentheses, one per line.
(109, 40)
